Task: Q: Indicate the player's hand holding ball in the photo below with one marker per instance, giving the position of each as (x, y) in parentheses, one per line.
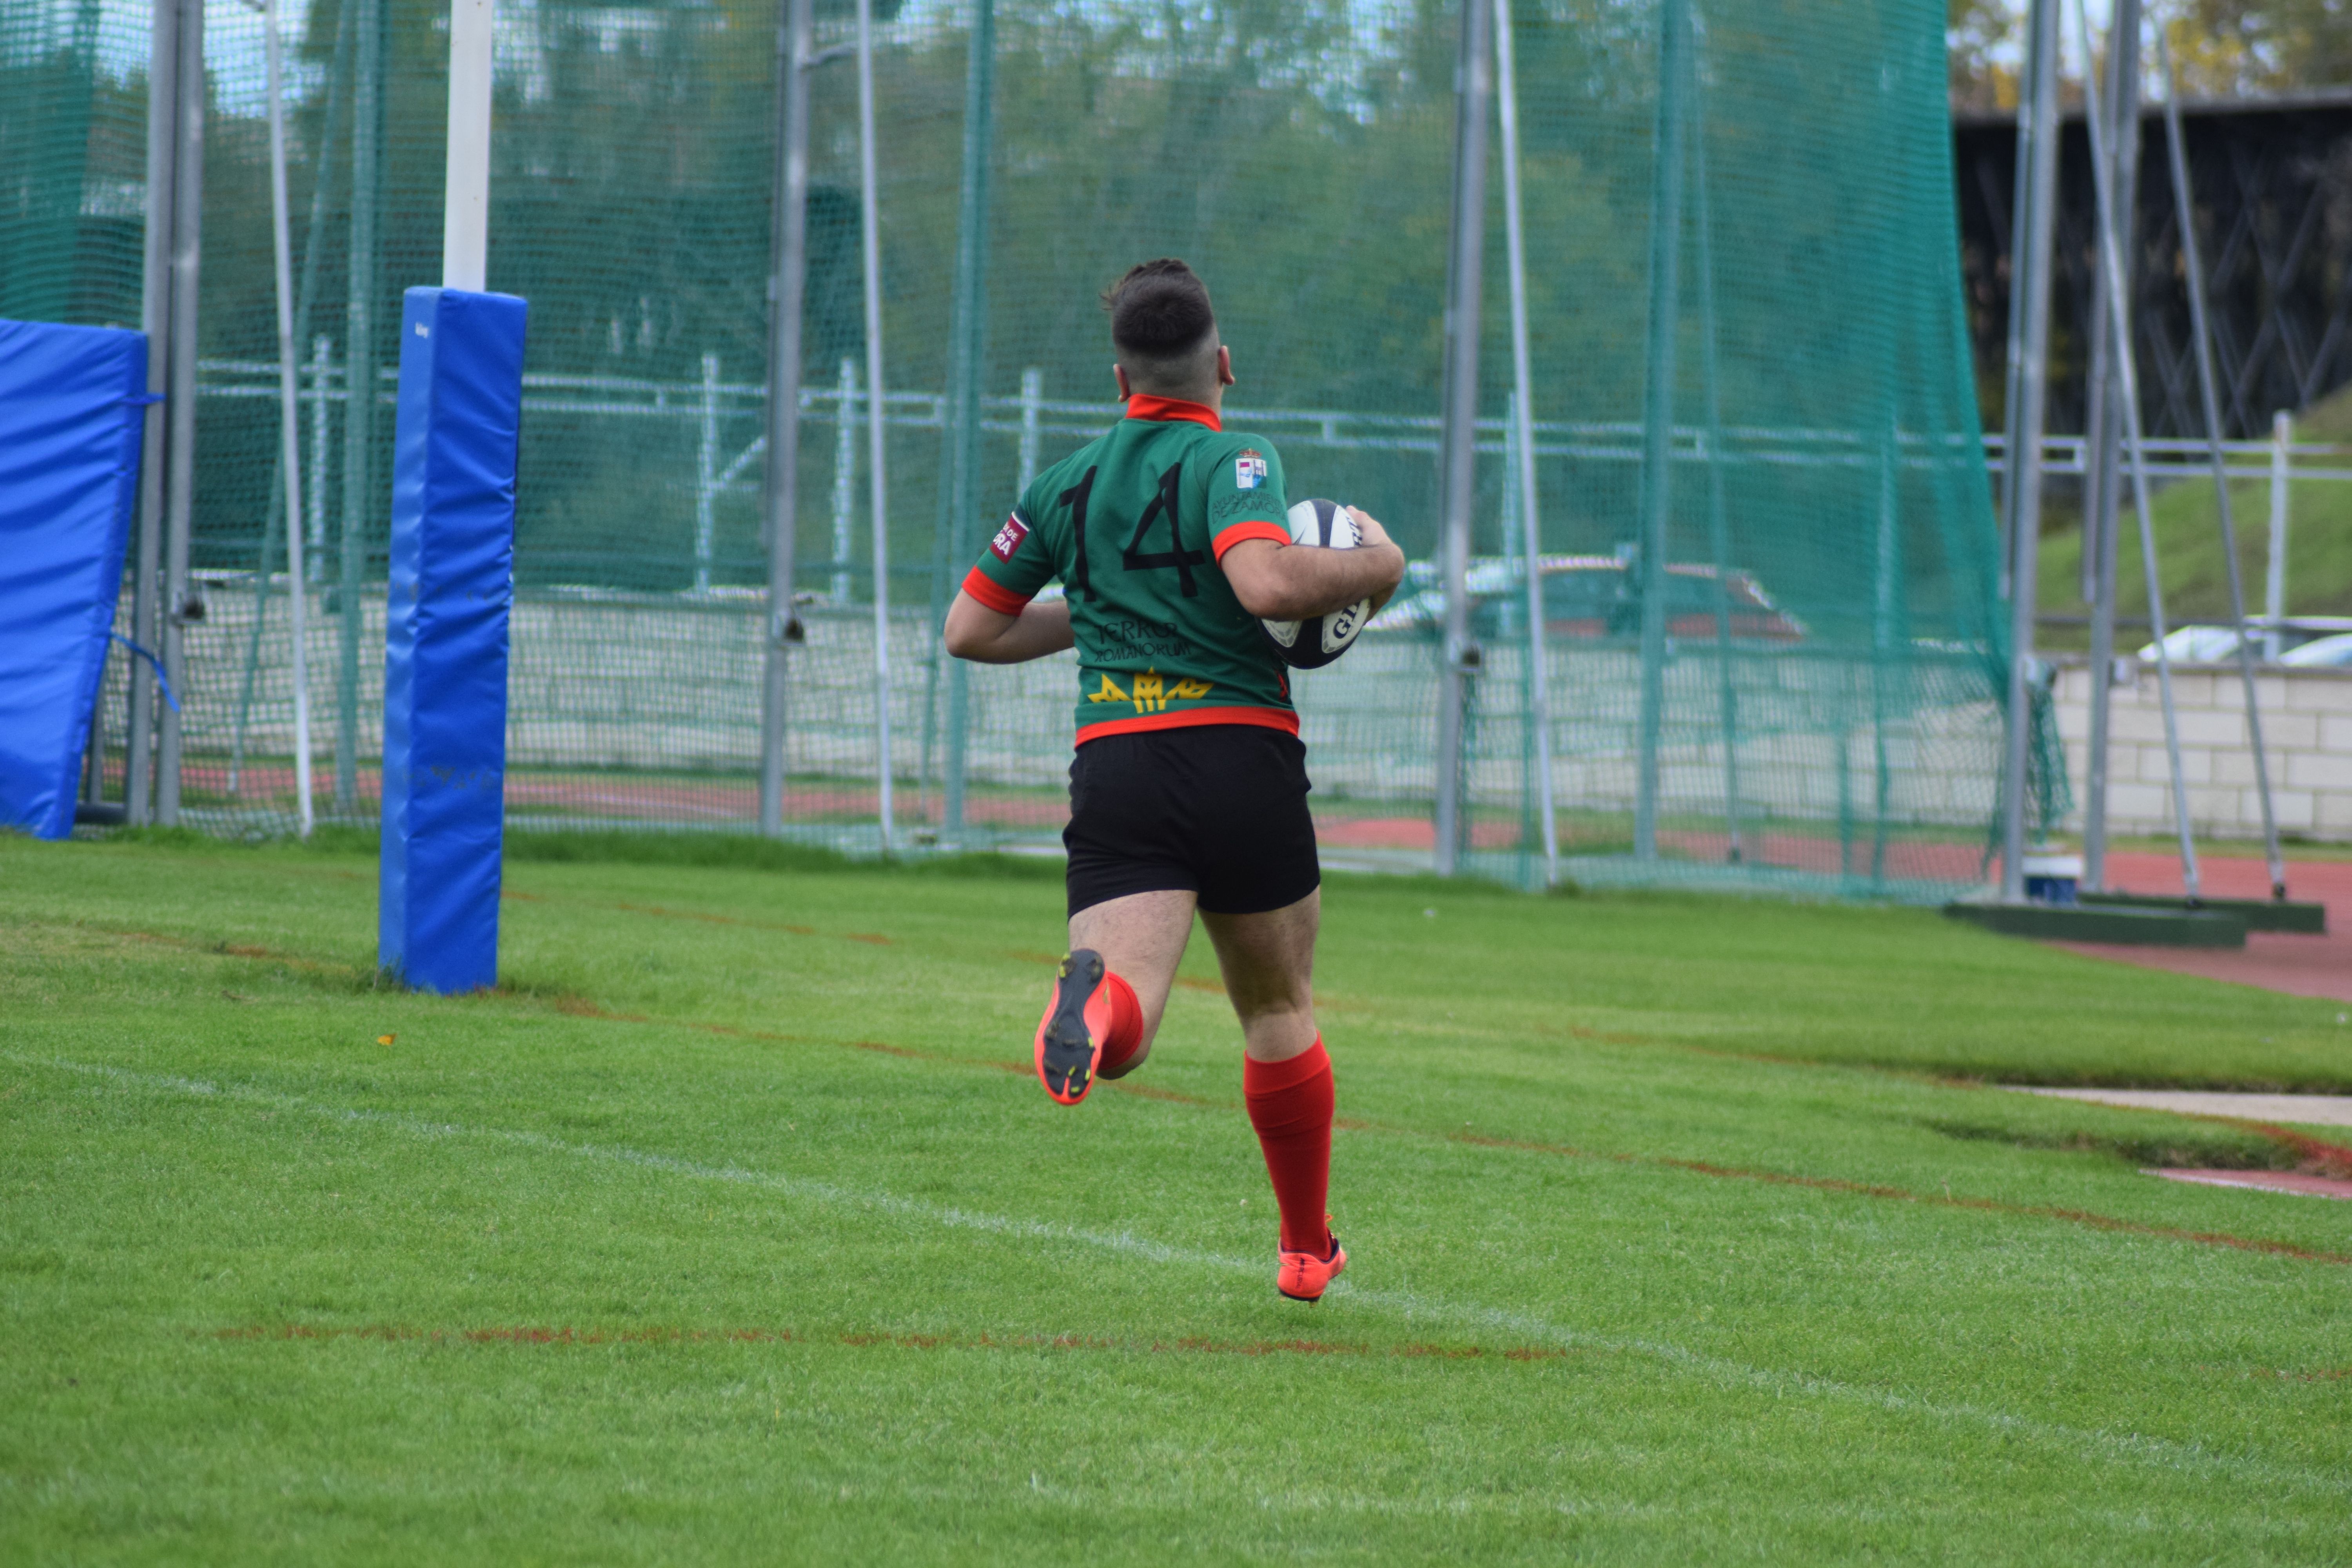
(1371, 535)
(1315, 641)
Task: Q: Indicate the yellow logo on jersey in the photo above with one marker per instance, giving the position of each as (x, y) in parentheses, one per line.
(1153, 691)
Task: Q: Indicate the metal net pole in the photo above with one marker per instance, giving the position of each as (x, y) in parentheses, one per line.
(359, 387)
(2192, 264)
(877, 490)
(2038, 132)
(968, 328)
(2128, 388)
(1523, 443)
(1658, 417)
(1459, 452)
(2101, 455)
(179, 443)
(789, 258)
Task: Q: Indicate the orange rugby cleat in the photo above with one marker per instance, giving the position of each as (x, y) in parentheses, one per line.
(1070, 1036)
(1304, 1277)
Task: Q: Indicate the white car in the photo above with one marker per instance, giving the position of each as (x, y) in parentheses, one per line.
(2199, 644)
(1592, 598)
(2327, 653)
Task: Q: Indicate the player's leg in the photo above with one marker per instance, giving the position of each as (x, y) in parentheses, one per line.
(1268, 962)
(1141, 939)
(1111, 989)
(1130, 908)
(1261, 897)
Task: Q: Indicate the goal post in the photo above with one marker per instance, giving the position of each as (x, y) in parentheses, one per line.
(451, 582)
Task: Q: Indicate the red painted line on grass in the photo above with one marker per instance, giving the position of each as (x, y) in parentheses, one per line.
(1933, 1200)
(224, 948)
(1151, 1091)
(1878, 1190)
(2317, 1374)
(697, 915)
(911, 1054)
(534, 1334)
(1211, 987)
(2317, 1149)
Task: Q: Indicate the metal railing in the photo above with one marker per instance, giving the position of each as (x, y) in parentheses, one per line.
(711, 405)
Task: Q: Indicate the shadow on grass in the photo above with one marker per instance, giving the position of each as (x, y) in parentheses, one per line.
(2213, 1147)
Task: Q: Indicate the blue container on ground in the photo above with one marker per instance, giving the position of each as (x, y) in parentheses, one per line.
(2054, 879)
(452, 588)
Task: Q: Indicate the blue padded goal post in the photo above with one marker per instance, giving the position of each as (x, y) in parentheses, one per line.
(72, 402)
(452, 586)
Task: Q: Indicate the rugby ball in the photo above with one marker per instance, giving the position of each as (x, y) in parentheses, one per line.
(1311, 644)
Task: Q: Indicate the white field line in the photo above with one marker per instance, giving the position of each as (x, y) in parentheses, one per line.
(2129, 1447)
(2306, 1110)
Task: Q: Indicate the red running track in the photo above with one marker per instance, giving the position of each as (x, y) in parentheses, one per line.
(2275, 960)
(2263, 1180)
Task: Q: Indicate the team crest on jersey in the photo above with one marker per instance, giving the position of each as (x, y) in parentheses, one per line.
(1008, 538)
(1249, 471)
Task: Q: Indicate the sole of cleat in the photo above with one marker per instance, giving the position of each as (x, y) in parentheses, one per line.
(1066, 1050)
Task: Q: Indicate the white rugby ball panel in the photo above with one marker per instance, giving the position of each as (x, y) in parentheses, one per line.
(1326, 523)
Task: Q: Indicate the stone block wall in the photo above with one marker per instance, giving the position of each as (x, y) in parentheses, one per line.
(2307, 727)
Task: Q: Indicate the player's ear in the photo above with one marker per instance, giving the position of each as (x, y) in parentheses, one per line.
(1119, 374)
(1224, 366)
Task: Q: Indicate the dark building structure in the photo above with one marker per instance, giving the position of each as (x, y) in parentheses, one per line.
(2272, 180)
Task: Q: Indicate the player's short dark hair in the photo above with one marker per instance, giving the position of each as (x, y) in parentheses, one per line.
(1159, 315)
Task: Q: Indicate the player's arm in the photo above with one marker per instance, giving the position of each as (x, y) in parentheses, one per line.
(1293, 581)
(996, 618)
(992, 637)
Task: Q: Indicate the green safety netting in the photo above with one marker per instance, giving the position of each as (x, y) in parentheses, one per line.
(1828, 709)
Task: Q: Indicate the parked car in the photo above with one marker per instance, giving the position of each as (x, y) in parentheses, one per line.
(2326, 653)
(2199, 645)
(2219, 645)
(1589, 597)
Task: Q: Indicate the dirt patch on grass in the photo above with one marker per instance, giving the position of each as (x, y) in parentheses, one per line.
(2175, 1138)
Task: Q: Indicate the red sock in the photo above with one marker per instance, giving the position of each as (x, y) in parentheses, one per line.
(1290, 1105)
(1126, 1033)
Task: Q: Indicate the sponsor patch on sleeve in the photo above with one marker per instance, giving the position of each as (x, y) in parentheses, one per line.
(1249, 471)
(1008, 538)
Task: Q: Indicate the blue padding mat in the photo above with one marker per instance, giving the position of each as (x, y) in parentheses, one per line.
(445, 689)
(70, 412)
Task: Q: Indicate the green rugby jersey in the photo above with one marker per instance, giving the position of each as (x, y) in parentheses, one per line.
(1155, 503)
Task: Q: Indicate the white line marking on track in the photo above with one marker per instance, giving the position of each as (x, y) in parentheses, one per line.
(2123, 1446)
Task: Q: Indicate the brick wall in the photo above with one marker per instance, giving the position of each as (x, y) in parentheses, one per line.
(2306, 724)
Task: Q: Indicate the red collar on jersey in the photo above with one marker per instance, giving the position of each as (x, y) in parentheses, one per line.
(1143, 407)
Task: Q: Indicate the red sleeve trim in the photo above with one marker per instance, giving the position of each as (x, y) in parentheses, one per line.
(995, 595)
(1281, 719)
(1255, 528)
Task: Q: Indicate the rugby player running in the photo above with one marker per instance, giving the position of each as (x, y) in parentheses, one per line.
(1188, 788)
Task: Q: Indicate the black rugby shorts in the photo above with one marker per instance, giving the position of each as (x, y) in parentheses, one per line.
(1220, 811)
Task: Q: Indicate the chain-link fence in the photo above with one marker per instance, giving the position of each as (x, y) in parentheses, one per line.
(1825, 707)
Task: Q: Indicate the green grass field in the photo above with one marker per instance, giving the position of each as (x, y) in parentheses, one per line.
(734, 1228)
